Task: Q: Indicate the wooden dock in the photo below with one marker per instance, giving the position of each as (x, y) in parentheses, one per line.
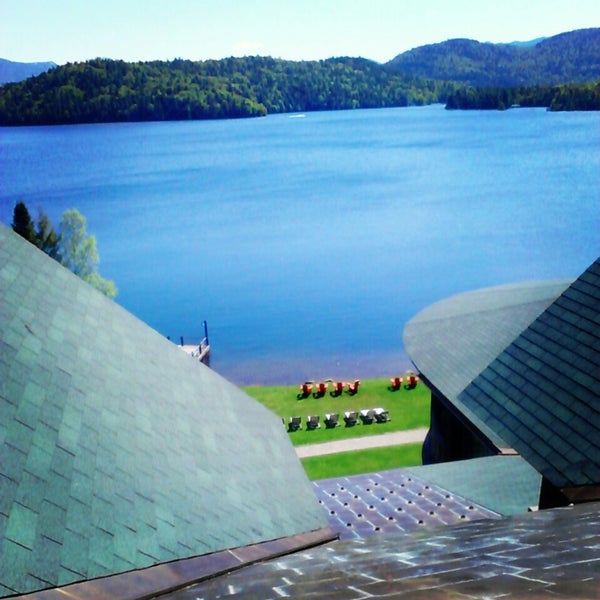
(199, 351)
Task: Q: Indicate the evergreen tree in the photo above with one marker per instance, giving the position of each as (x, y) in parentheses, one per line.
(22, 223)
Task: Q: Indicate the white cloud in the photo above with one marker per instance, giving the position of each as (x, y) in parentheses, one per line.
(247, 48)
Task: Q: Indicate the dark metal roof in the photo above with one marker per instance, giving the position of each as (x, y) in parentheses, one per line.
(117, 450)
(393, 501)
(553, 553)
(542, 393)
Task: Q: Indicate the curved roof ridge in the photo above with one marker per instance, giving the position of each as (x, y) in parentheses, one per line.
(452, 341)
(488, 298)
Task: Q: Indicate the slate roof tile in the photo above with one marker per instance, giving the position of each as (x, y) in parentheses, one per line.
(547, 363)
(567, 359)
(535, 554)
(100, 443)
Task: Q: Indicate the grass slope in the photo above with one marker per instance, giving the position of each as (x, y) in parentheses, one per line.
(362, 461)
(408, 409)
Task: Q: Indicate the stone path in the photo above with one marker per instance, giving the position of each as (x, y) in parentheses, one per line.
(412, 436)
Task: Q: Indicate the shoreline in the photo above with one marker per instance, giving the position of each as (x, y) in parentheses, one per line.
(384, 379)
(281, 373)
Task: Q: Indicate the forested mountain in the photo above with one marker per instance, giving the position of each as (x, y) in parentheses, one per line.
(104, 90)
(568, 96)
(17, 71)
(572, 57)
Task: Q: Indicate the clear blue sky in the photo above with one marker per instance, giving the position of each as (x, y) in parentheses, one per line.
(76, 30)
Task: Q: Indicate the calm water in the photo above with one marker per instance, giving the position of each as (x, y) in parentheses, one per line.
(307, 242)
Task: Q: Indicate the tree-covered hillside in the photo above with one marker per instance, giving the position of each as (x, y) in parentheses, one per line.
(582, 96)
(572, 57)
(104, 90)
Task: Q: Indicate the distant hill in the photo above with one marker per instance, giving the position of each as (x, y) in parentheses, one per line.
(18, 71)
(103, 91)
(529, 42)
(572, 57)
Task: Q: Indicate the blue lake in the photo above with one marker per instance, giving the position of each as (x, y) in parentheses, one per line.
(307, 242)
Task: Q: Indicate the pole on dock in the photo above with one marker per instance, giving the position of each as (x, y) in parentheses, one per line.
(206, 332)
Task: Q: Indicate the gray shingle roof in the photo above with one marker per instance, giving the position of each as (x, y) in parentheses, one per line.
(455, 339)
(542, 393)
(522, 363)
(117, 450)
(508, 485)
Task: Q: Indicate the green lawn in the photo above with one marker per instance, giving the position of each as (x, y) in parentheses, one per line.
(362, 461)
(408, 409)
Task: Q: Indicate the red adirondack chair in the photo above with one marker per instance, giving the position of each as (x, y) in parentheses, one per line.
(305, 390)
(338, 388)
(353, 387)
(395, 383)
(321, 389)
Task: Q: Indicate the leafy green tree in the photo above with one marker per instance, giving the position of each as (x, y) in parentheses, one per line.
(78, 252)
(22, 222)
(72, 247)
(106, 286)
